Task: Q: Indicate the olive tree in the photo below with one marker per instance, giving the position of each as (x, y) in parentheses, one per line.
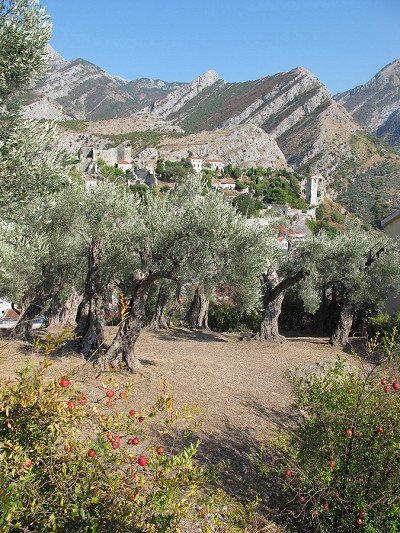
(39, 256)
(360, 269)
(25, 30)
(191, 233)
(285, 268)
(30, 165)
(103, 220)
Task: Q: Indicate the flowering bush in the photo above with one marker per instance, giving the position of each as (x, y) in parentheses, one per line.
(339, 470)
(70, 464)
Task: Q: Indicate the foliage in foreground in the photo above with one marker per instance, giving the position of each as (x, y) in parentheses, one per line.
(339, 470)
(69, 463)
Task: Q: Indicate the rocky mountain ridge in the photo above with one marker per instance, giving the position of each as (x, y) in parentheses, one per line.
(81, 90)
(375, 105)
(292, 114)
(294, 107)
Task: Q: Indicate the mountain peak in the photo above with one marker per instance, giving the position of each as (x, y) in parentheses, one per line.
(390, 72)
(375, 105)
(56, 58)
(210, 76)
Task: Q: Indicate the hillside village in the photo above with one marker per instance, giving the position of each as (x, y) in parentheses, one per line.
(118, 163)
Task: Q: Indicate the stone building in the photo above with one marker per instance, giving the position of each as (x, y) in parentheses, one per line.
(313, 189)
(197, 163)
(215, 164)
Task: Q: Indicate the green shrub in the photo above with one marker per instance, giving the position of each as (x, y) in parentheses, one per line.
(384, 324)
(338, 217)
(225, 317)
(246, 205)
(68, 463)
(251, 321)
(222, 317)
(339, 469)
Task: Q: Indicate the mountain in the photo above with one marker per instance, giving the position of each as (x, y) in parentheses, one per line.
(298, 122)
(81, 90)
(293, 107)
(376, 104)
(312, 129)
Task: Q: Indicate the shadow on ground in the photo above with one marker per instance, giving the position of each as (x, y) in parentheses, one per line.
(240, 475)
(281, 419)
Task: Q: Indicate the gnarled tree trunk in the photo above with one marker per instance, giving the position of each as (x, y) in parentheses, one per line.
(174, 307)
(340, 336)
(122, 348)
(269, 329)
(23, 328)
(91, 313)
(273, 294)
(198, 311)
(64, 315)
(159, 320)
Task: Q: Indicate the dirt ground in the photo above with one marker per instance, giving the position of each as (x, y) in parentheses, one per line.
(239, 386)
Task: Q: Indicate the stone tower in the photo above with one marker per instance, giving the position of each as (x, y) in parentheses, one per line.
(312, 190)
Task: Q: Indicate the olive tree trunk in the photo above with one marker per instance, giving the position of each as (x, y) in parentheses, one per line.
(174, 307)
(23, 328)
(64, 315)
(198, 312)
(341, 334)
(160, 319)
(90, 317)
(269, 329)
(273, 294)
(122, 348)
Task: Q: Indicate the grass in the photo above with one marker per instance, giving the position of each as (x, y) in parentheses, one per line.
(73, 125)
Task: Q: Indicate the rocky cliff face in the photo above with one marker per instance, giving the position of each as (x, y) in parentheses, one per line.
(244, 146)
(294, 108)
(376, 104)
(81, 90)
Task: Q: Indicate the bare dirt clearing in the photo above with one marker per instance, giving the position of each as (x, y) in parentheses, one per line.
(239, 386)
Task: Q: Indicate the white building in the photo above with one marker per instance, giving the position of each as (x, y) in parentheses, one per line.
(197, 163)
(224, 183)
(124, 165)
(215, 164)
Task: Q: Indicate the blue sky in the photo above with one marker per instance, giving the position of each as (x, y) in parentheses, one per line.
(344, 42)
